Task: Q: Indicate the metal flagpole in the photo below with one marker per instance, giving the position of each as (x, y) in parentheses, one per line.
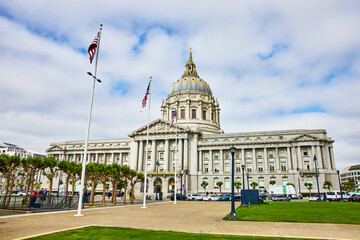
(147, 148)
(87, 133)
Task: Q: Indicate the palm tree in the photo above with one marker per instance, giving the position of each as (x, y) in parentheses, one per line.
(219, 184)
(49, 169)
(327, 185)
(204, 184)
(309, 186)
(272, 182)
(254, 185)
(237, 185)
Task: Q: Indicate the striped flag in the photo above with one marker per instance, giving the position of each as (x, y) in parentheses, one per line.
(173, 119)
(93, 46)
(146, 94)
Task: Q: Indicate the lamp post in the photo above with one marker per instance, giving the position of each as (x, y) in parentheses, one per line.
(243, 178)
(157, 176)
(181, 186)
(247, 179)
(232, 214)
(317, 179)
(298, 175)
(342, 198)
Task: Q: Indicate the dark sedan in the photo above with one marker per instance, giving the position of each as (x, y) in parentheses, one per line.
(354, 198)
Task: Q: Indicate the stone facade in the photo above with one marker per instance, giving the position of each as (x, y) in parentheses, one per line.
(199, 146)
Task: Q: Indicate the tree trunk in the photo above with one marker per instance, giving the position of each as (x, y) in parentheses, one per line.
(11, 188)
(132, 191)
(115, 187)
(125, 189)
(27, 189)
(92, 192)
(6, 190)
(50, 190)
(67, 188)
(104, 192)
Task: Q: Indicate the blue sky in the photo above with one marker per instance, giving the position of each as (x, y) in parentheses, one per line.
(272, 66)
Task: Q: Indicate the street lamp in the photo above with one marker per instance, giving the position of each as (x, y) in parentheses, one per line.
(297, 169)
(94, 77)
(342, 198)
(243, 197)
(232, 214)
(247, 179)
(157, 175)
(317, 179)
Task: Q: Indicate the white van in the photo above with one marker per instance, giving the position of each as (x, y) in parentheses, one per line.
(336, 196)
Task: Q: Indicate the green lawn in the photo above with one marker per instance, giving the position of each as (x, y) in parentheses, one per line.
(134, 234)
(305, 212)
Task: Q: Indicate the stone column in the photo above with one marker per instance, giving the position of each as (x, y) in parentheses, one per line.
(166, 157)
(265, 162)
(113, 157)
(141, 166)
(133, 158)
(200, 161)
(121, 162)
(153, 155)
(243, 157)
(277, 159)
(180, 160)
(97, 157)
(254, 163)
(288, 159)
(221, 161)
(332, 158)
(186, 153)
(301, 164)
(210, 161)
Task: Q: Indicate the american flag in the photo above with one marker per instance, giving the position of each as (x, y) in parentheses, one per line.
(173, 118)
(146, 94)
(93, 46)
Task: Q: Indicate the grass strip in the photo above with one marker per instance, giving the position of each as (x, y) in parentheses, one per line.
(108, 233)
(303, 212)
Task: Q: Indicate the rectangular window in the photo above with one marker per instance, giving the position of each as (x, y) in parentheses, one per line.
(261, 182)
(282, 153)
(206, 156)
(182, 113)
(272, 166)
(259, 154)
(216, 155)
(161, 155)
(206, 167)
(215, 181)
(305, 152)
(283, 166)
(307, 165)
(193, 113)
(237, 154)
(227, 183)
(226, 155)
(216, 167)
(212, 116)
(248, 154)
(204, 115)
(237, 167)
(271, 154)
(248, 167)
(260, 167)
(227, 167)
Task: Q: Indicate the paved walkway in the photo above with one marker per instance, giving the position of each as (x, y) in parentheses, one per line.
(195, 217)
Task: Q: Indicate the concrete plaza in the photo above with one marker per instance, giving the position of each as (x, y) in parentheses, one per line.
(193, 217)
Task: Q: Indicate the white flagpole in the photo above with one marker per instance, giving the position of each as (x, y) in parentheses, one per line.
(87, 133)
(147, 147)
(176, 158)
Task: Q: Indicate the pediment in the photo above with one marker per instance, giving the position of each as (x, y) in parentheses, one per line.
(55, 148)
(304, 138)
(158, 126)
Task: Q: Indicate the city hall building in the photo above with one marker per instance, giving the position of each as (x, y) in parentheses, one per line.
(202, 150)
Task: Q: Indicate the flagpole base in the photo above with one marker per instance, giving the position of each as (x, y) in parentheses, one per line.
(78, 215)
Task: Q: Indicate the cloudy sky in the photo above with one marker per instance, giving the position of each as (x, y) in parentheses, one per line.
(273, 65)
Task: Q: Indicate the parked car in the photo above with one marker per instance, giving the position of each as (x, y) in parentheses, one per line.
(224, 197)
(280, 199)
(354, 198)
(314, 198)
(178, 197)
(211, 197)
(193, 197)
(237, 197)
(333, 196)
